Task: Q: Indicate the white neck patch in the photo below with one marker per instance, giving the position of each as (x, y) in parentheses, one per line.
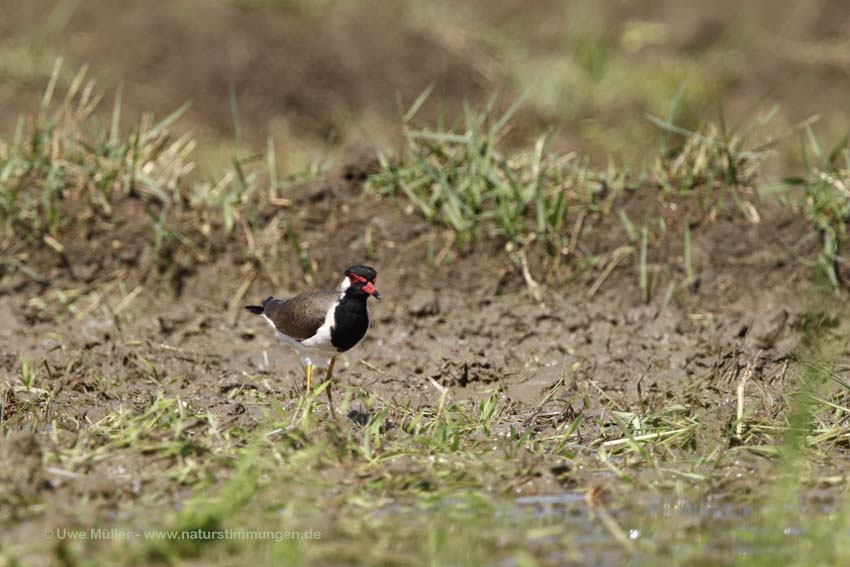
(346, 283)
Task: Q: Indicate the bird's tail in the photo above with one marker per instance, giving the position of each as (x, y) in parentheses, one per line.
(258, 309)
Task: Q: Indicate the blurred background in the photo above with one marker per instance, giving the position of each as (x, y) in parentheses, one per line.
(325, 78)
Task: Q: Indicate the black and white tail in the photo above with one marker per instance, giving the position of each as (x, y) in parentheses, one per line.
(259, 309)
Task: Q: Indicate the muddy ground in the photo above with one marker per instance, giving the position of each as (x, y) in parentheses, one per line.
(469, 324)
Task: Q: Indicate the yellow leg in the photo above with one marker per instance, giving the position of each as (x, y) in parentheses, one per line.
(328, 390)
(309, 376)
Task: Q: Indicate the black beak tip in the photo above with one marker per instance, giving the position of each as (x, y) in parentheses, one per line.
(376, 295)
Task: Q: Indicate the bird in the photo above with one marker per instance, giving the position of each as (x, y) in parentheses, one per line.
(319, 325)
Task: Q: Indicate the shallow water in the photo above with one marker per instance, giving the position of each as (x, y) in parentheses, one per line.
(710, 530)
(651, 529)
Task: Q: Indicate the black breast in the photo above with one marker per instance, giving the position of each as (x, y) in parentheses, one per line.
(351, 321)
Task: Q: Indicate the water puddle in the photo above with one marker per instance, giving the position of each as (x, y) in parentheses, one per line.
(562, 529)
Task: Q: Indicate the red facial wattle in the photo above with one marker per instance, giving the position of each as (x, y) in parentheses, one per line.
(369, 286)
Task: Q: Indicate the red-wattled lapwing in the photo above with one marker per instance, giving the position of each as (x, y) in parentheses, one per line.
(321, 324)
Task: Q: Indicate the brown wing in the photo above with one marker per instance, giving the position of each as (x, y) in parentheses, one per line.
(301, 316)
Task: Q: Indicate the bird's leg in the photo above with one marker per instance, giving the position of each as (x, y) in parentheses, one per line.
(328, 390)
(309, 375)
